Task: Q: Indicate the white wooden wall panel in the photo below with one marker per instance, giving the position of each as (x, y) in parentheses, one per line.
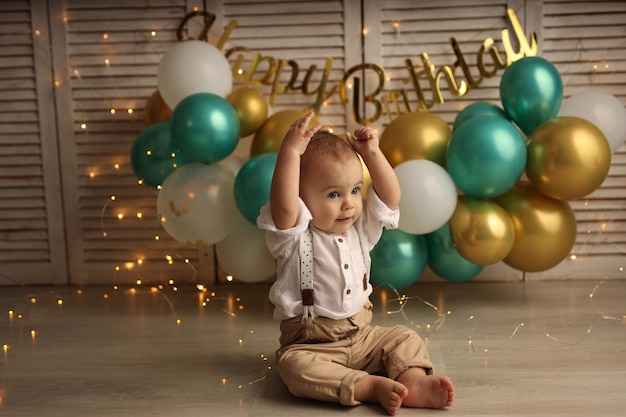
(57, 177)
(32, 244)
(307, 32)
(586, 41)
(410, 28)
(111, 59)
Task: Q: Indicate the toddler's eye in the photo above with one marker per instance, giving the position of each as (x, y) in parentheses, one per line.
(356, 190)
(333, 194)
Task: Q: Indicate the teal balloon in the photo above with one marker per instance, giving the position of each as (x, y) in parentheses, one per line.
(398, 259)
(153, 155)
(253, 183)
(486, 156)
(205, 127)
(531, 91)
(480, 108)
(445, 261)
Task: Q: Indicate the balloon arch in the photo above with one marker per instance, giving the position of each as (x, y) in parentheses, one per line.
(493, 188)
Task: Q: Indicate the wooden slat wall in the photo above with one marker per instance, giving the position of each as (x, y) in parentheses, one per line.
(575, 36)
(32, 247)
(411, 28)
(112, 52)
(586, 41)
(306, 32)
(40, 150)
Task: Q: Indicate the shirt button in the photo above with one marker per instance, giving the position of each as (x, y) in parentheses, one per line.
(346, 266)
(348, 292)
(340, 240)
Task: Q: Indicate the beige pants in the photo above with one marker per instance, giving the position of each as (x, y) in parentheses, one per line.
(324, 359)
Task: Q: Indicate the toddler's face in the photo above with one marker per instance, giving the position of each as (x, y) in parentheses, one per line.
(333, 194)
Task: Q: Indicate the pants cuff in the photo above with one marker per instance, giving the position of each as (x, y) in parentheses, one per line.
(346, 389)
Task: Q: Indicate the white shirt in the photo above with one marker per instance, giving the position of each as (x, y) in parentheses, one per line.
(341, 262)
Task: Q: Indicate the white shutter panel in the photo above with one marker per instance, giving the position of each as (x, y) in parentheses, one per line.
(303, 31)
(410, 28)
(112, 50)
(32, 246)
(586, 41)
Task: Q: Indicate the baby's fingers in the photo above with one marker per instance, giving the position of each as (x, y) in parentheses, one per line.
(364, 133)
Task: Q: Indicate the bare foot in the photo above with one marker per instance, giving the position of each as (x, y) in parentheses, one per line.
(387, 392)
(426, 391)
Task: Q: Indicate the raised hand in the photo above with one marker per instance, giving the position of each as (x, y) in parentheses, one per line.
(299, 135)
(364, 140)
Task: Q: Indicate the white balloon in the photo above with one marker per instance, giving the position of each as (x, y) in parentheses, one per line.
(244, 254)
(192, 67)
(232, 163)
(429, 196)
(603, 110)
(196, 203)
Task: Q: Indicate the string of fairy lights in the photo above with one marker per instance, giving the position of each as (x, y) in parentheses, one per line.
(23, 330)
(112, 211)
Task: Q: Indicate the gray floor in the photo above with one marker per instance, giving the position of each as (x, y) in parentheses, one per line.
(512, 349)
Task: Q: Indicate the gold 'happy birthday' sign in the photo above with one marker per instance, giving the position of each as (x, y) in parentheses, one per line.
(268, 70)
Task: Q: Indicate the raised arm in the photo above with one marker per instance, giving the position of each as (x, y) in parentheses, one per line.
(285, 187)
(384, 180)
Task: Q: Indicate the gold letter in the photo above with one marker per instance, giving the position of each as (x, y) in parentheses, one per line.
(392, 97)
(495, 55)
(209, 18)
(460, 61)
(524, 48)
(222, 40)
(370, 98)
(321, 93)
(276, 87)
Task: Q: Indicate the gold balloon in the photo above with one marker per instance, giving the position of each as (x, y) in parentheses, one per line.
(270, 135)
(416, 135)
(156, 111)
(482, 232)
(568, 158)
(251, 107)
(545, 228)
